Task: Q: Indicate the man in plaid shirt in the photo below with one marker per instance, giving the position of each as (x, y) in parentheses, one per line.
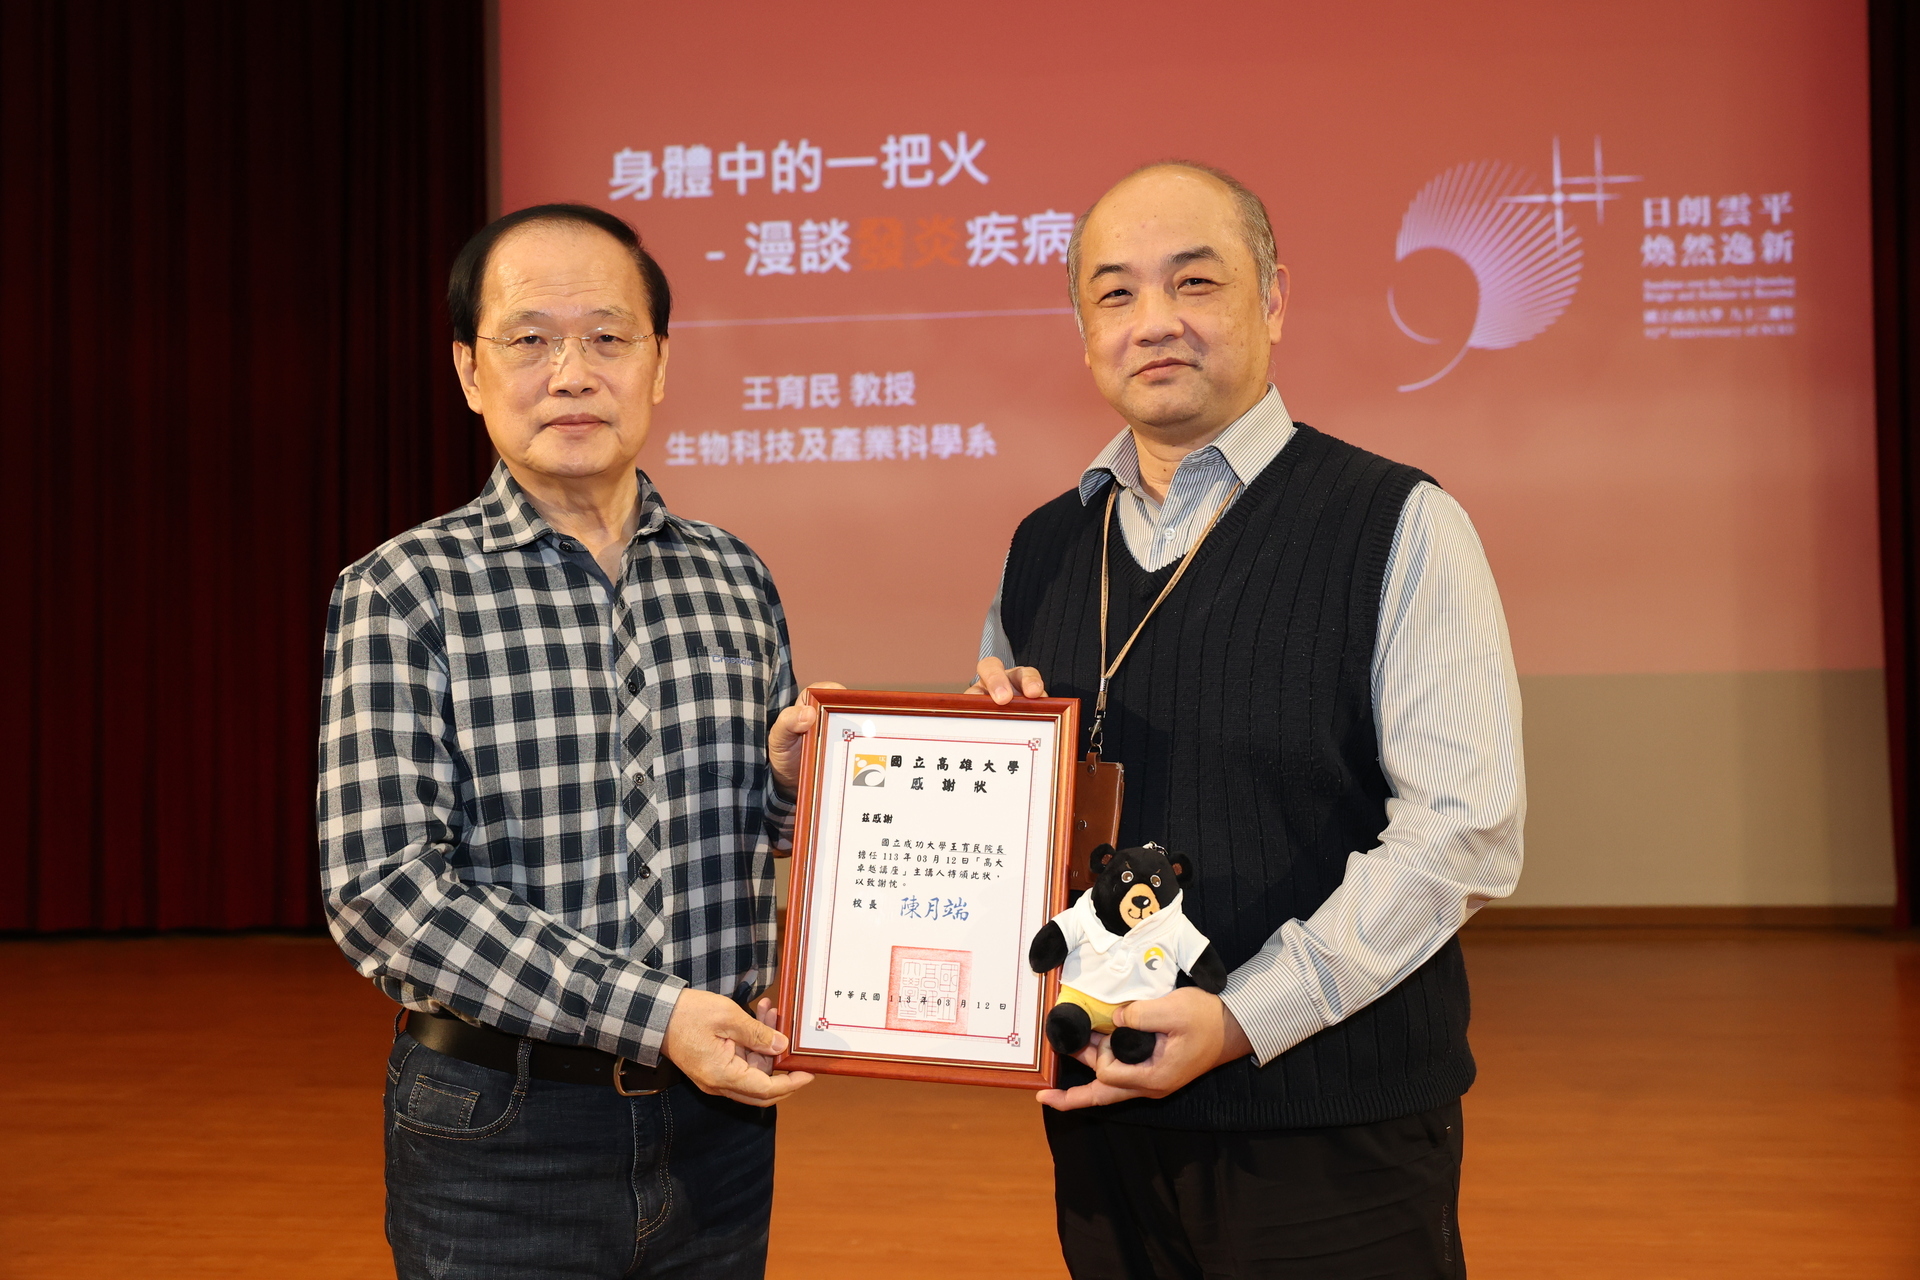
(547, 812)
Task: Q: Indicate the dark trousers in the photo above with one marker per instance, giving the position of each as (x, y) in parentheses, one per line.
(1370, 1200)
(497, 1176)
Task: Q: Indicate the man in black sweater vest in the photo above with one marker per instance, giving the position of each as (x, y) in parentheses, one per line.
(1322, 713)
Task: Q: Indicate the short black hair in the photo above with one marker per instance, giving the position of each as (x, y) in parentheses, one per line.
(470, 268)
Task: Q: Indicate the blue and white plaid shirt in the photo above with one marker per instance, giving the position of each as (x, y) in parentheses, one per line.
(544, 803)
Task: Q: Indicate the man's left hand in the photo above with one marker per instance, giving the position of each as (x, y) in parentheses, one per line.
(788, 738)
(725, 1052)
(1197, 1032)
(765, 1013)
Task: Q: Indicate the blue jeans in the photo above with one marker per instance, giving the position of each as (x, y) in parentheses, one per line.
(492, 1176)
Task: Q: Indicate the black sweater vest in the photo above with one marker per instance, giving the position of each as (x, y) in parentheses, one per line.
(1244, 717)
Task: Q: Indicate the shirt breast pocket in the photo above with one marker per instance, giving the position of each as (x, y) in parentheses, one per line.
(736, 681)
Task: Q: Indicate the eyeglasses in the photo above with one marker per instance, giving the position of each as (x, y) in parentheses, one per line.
(531, 348)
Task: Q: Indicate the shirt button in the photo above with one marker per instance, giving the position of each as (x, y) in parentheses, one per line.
(636, 782)
(633, 684)
(568, 544)
(646, 872)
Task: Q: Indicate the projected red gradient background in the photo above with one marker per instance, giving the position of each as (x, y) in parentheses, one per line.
(1673, 473)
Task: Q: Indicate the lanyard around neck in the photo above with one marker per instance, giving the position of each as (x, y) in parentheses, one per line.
(1097, 737)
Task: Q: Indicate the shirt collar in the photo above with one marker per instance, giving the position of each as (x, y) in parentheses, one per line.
(1098, 936)
(1101, 938)
(1160, 922)
(509, 519)
(1248, 444)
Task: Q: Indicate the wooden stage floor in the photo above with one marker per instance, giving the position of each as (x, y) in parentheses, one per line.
(1661, 1103)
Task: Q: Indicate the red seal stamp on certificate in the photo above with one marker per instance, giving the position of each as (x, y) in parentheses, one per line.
(927, 990)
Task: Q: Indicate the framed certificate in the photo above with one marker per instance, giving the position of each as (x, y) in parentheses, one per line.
(930, 845)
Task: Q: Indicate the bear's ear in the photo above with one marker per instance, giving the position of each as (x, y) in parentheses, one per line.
(1182, 868)
(1100, 857)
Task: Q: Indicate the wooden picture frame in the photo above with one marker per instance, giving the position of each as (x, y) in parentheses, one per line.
(960, 858)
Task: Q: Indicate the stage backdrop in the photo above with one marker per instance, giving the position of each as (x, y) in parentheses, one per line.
(1601, 269)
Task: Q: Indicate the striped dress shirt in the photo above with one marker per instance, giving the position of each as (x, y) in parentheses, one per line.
(1446, 705)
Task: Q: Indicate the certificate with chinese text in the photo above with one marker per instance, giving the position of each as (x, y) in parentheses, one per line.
(929, 847)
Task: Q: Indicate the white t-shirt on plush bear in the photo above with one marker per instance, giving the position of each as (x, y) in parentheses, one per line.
(1139, 964)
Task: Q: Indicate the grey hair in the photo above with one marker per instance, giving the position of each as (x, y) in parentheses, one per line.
(1255, 227)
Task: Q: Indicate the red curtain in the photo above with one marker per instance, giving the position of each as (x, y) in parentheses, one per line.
(1894, 53)
(224, 238)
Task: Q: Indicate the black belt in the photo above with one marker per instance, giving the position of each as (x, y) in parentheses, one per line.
(485, 1047)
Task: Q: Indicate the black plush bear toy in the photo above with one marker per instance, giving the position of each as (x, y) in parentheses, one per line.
(1126, 939)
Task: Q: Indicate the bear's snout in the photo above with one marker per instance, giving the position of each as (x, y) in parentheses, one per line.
(1137, 904)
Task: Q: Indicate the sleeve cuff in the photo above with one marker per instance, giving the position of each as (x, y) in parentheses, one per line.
(636, 1005)
(778, 816)
(1271, 1004)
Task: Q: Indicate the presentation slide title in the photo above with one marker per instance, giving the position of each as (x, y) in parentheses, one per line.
(1605, 280)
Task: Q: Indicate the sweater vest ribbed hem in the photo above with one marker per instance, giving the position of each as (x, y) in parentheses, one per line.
(1244, 719)
(1444, 1084)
